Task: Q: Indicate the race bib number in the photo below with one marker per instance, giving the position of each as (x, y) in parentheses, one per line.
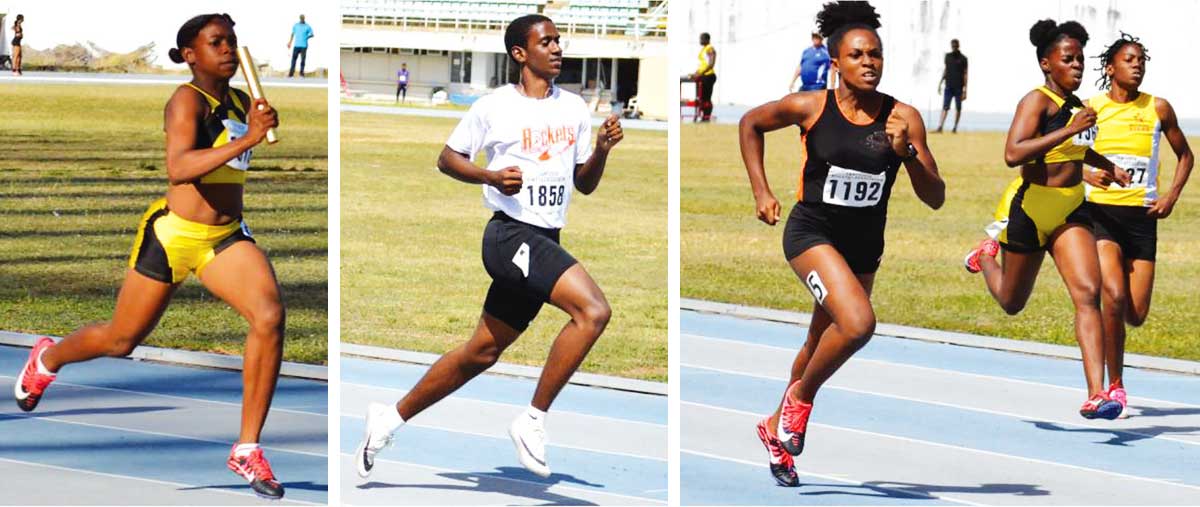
(545, 190)
(1085, 138)
(237, 130)
(1136, 166)
(856, 189)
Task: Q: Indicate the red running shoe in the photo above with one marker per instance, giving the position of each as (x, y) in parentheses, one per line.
(254, 468)
(1100, 406)
(31, 383)
(793, 422)
(988, 247)
(783, 467)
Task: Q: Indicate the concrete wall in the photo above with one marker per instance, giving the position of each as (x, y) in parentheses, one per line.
(758, 45)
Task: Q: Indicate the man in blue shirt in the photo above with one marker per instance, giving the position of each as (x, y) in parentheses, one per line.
(301, 32)
(402, 82)
(814, 67)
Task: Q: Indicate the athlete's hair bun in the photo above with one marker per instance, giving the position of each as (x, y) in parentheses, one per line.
(175, 55)
(836, 15)
(1046, 32)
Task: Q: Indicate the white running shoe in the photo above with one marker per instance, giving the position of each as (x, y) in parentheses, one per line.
(375, 438)
(529, 436)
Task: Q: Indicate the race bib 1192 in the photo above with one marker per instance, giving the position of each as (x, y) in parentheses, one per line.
(856, 189)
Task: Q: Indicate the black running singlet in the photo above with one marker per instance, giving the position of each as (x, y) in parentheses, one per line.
(846, 164)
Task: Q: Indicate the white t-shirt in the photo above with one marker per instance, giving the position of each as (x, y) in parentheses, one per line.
(546, 138)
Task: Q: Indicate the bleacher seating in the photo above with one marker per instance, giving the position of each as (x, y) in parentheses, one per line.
(604, 17)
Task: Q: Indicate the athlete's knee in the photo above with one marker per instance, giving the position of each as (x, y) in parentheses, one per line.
(594, 315)
(120, 343)
(1086, 295)
(480, 357)
(1012, 306)
(1136, 316)
(859, 328)
(268, 321)
(1114, 299)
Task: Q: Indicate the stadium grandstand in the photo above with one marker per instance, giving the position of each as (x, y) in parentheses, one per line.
(612, 49)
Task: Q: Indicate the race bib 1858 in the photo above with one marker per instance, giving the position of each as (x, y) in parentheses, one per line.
(856, 189)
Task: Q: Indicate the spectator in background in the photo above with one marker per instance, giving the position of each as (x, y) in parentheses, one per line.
(814, 67)
(706, 76)
(298, 42)
(18, 34)
(955, 78)
(402, 83)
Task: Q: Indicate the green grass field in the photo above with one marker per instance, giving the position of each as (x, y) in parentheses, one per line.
(411, 271)
(728, 255)
(78, 166)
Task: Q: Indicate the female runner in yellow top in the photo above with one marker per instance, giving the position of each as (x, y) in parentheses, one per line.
(197, 227)
(1131, 125)
(1042, 209)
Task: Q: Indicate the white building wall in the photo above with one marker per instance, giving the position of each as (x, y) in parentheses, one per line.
(759, 42)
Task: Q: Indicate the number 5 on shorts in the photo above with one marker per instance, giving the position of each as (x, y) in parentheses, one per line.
(813, 281)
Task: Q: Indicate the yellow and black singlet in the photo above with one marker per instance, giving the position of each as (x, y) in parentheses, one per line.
(1028, 214)
(1073, 148)
(704, 69)
(224, 123)
(1129, 136)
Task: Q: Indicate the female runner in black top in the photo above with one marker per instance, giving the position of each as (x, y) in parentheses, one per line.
(855, 138)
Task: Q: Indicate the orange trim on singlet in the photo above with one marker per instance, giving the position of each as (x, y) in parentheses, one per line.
(803, 164)
(804, 143)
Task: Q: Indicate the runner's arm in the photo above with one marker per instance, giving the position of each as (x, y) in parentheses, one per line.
(927, 183)
(793, 109)
(1163, 206)
(182, 119)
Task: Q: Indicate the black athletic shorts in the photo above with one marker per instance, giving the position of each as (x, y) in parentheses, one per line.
(1127, 226)
(855, 235)
(524, 262)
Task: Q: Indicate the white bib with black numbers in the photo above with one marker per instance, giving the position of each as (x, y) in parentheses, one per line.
(855, 189)
(237, 130)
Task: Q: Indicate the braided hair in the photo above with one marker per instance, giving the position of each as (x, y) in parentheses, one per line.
(1106, 58)
(190, 29)
(837, 18)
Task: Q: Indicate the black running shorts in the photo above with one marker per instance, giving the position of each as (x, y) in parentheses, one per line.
(857, 236)
(524, 262)
(1127, 226)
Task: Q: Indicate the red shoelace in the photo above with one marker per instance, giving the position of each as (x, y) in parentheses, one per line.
(257, 463)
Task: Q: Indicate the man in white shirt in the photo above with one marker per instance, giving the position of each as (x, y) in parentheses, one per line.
(537, 138)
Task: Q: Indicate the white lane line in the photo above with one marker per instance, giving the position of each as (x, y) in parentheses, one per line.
(756, 464)
(957, 448)
(556, 411)
(143, 479)
(541, 485)
(939, 370)
(498, 437)
(835, 386)
(173, 397)
(155, 433)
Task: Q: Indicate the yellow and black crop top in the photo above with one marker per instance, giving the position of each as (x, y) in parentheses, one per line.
(1129, 136)
(1073, 148)
(224, 123)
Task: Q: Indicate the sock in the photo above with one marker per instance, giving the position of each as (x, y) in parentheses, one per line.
(243, 450)
(391, 419)
(41, 368)
(538, 416)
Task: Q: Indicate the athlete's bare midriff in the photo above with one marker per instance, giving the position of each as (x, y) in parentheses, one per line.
(211, 204)
(1058, 175)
